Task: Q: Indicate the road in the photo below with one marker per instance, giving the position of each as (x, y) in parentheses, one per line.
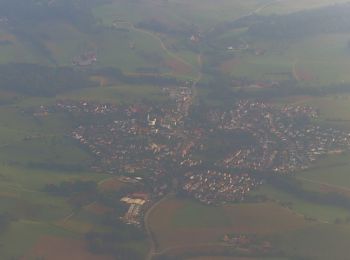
(162, 44)
(153, 248)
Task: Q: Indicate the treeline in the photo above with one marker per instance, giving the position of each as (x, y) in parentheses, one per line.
(117, 75)
(52, 166)
(5, 221)
(289, 88)
(21, 12)
(332, 19)
(292, 186)
(160, 27)
(223, 91)
(39, 80)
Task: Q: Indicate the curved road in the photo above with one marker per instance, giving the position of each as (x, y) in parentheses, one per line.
(153, 246)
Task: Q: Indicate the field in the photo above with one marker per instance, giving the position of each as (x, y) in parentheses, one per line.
(175, 228)
(289, 6)
(50, 247)
(301, 207)
(332, 172)
(333, 109)
(315, 61)
(204, 14)
(179, 223)
(317, 242)
(235, 258)
(119, 94)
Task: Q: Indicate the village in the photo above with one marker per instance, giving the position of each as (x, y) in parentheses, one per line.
(214, 187)
(248, 242)
(154, 145)
(287, 140)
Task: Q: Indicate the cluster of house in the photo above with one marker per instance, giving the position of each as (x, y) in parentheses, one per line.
(183, 98)
(4, 20)
(131, 140)
(243, 46)
(133, 137)
(254, 84)
(85, 59)
(248, 242)
(82, 107)
(136, 203)
(215, 187)
(286, 138)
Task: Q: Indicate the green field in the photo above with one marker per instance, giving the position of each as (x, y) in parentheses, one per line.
(174, 226)
(316, 242)
(179, 223)
(22, 235)
(301, 207)
(315, 61)
(202, 13)
(120, 94)
(333, 109)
